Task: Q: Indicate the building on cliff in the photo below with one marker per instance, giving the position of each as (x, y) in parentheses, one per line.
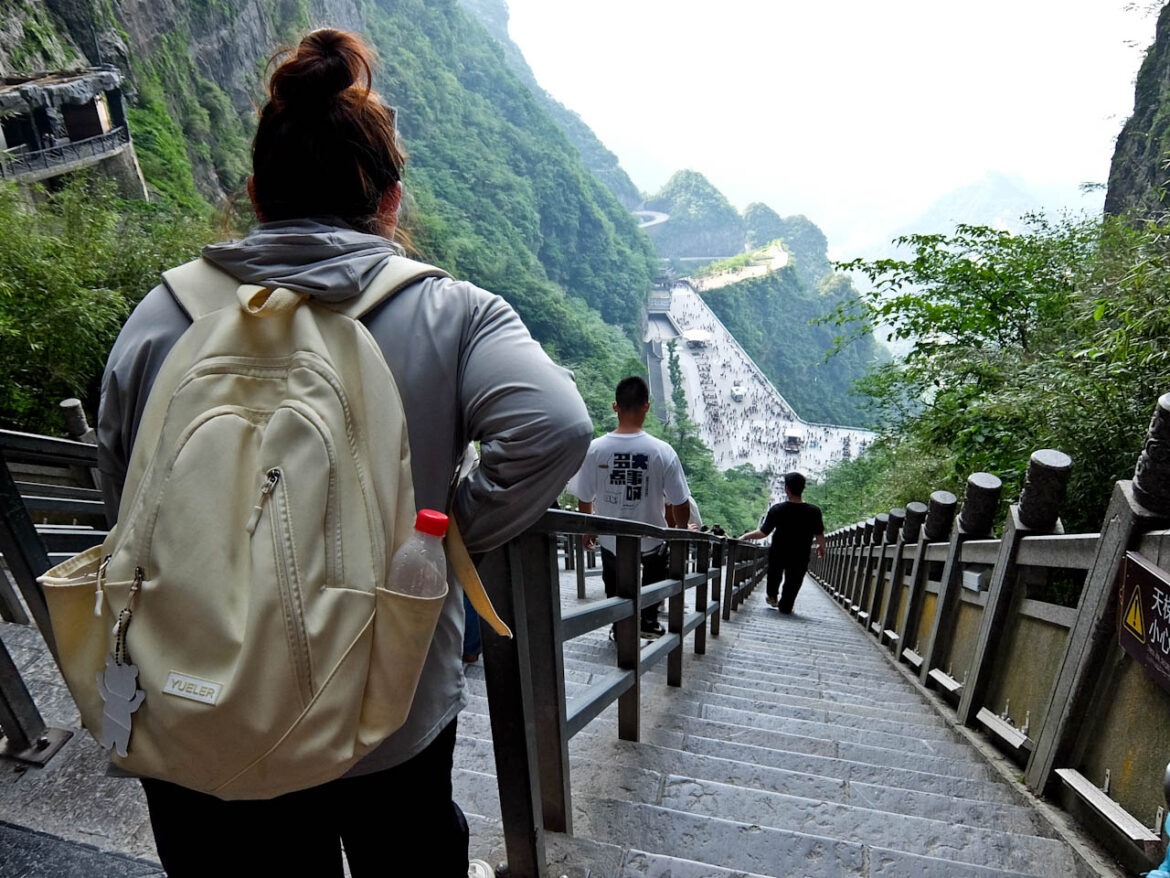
(52, 124)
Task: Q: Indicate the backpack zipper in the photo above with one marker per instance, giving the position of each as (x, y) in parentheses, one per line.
(289, 583)
(272, 477)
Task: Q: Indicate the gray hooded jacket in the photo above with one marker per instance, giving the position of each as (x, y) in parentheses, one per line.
(467, 370)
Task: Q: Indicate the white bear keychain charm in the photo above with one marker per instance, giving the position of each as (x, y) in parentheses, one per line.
(118, 688)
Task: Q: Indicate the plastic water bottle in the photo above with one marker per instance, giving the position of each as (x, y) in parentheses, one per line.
(419, 567)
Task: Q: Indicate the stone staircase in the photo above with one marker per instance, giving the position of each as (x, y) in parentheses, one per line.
(793, 748)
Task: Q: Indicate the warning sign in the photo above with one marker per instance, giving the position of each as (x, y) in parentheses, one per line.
(1143, 618)
(1133, 616)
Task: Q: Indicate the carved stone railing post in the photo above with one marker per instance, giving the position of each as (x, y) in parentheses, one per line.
(849, 564)
(1036, 513)
(861, 552)
(877, 531)
(1136, 507)
(906, 535)
(873, 565)
(936, 527)
(879, 594)
(844, 547)
(975, 519)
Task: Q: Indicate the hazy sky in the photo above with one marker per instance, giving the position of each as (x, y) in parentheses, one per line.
(858, 113)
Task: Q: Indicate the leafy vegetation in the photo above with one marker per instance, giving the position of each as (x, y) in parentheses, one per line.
(1054, 338)
(71, 268)
(803, 238)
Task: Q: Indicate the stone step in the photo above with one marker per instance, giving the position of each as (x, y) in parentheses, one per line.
(1013, 851)
(775, 748)
(760, 849)
(929, 725)
(894, 789)
(770, 718)
(1002, 812)
(914, 726)
(907, 742)
(909, 704)
(867, 665)
(895, 690)
(613, 768)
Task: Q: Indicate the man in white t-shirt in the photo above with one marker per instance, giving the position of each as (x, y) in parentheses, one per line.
(629, 474)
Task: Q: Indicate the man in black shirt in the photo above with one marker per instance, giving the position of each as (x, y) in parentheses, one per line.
(796, 524)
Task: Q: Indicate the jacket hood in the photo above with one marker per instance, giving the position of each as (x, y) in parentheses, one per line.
(329, 261)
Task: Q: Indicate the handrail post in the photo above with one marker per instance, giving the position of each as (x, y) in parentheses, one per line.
(1036, 513)
(719, 553)
(628, 577)
(537, 557)
(871, 537)
(859, 571)
(913, 516)
(677, 569)
(508, 674)
(729, 562)
(579, 553)
(872, 589)
(1136, 507)
(703, 565)
(939, 523)
(24, 552)
(880, 606)
(979, 503)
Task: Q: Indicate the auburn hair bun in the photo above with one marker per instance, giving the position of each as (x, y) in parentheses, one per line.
(325, 64)
(326, 145)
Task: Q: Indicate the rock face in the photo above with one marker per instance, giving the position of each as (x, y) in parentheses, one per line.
(32, 40)
(1137, 177)
(203, 55)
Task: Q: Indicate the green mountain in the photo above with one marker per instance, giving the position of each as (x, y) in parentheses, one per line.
(702, 220)
(493, 15)
(497, 193)
(803, 238)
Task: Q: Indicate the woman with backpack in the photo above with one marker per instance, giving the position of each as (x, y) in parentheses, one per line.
(326, 186)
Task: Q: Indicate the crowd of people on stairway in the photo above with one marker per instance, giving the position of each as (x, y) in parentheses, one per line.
(741, 416)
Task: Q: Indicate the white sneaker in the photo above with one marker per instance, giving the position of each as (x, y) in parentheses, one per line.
(480, 869)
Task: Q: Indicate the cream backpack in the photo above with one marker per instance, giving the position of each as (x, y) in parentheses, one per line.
(235, 634)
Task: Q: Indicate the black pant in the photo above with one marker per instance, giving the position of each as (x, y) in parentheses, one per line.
(400, 821)
(792, 573)
(655, 568)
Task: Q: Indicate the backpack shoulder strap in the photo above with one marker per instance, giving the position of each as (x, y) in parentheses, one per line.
(397, 274)
(201, 288)
(468, 577)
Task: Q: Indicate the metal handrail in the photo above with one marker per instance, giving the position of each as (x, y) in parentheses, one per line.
(532, 720)
(16, 165)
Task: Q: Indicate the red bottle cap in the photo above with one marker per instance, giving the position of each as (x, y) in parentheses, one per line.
(431, 522)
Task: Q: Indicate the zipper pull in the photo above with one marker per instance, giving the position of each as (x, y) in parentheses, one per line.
(273, 476)
(100, 594)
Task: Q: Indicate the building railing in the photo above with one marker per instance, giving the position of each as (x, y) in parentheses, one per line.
(532, 719)
(1024, 636)
(17, 162)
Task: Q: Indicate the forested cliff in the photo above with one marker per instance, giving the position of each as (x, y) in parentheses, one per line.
(496, 193)
(1138, 174)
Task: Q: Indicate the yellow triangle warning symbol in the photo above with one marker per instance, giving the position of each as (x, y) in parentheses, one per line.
(1133, 616)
